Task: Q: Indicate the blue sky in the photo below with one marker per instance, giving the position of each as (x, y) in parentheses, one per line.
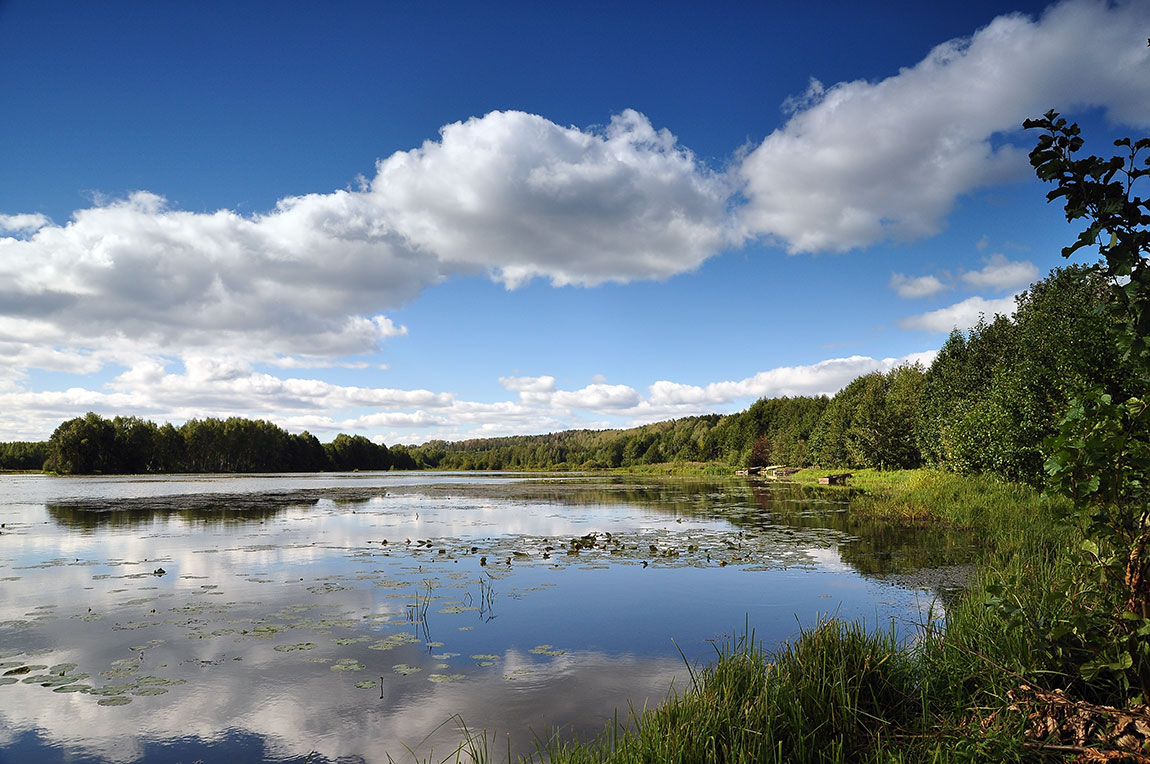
(416, 221)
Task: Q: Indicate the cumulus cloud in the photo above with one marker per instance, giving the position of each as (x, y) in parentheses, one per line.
(1000, 273)
(862, 162)
(543, 384)
(822, 378)
(23, 223)
(307, 278)
(914, 287)
(962, 315)
(512, 194)
(519, 196)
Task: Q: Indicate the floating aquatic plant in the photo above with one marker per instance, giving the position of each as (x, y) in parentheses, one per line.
(546, 650)
(404, 670)
(115, 700)
(297, 646)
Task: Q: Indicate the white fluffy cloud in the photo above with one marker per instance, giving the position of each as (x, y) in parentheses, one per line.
(23, 223)
(519, 196)
(509, 193)
(822, 378)
(1000, 273)
(543, 384)
(914, 287)
(962, 315)
(862, 162)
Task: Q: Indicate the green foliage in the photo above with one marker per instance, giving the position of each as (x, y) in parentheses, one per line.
(23, 455)
(1100, 455)
(355, 452)
(1102, 192)
(871, 422)
(782, 426)
(993, 396)
(129, 445)
(83, 445)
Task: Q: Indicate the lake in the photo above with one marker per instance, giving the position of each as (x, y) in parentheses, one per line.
(370, 616)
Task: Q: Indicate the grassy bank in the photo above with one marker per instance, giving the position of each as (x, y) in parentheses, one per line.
(978, 691)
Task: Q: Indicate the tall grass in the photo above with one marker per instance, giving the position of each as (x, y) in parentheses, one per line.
(822, 698)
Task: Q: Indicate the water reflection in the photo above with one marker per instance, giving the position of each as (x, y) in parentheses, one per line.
(365, 617)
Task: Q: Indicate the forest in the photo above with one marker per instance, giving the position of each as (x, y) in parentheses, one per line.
(986, 404)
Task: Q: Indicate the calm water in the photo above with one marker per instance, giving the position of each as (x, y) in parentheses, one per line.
(357, 617)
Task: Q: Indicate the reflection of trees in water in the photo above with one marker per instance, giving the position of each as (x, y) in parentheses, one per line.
(876, 547)
(700, 498)
(192, 509)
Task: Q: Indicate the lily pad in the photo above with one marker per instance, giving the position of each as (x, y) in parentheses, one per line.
(546, 650)
(366, 684)
(405, 670)
(290, 648)
(444, 678)
(348, 664)
(115, 700)
(60, 681)
(350, 640)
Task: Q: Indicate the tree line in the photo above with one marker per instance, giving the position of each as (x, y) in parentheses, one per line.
(986, 404)
(130, 445)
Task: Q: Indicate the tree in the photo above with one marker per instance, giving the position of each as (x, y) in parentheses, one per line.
(1101, 455)
(82, 445)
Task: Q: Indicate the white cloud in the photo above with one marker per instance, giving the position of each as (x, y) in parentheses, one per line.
(304, 362)
(914, 287)
(23, 223)
(598, 397)
(520, 197)
(305, 279)
(528, 384)
(508, 193)
(1000, 273)
(962, 315)
(822, 378)
(862, 162)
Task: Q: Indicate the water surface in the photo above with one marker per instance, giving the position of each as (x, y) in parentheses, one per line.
(358, 617)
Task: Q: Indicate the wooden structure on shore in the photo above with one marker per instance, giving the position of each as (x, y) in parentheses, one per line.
(837, 479)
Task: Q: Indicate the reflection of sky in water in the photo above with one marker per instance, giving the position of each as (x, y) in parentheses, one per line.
(515, 647)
